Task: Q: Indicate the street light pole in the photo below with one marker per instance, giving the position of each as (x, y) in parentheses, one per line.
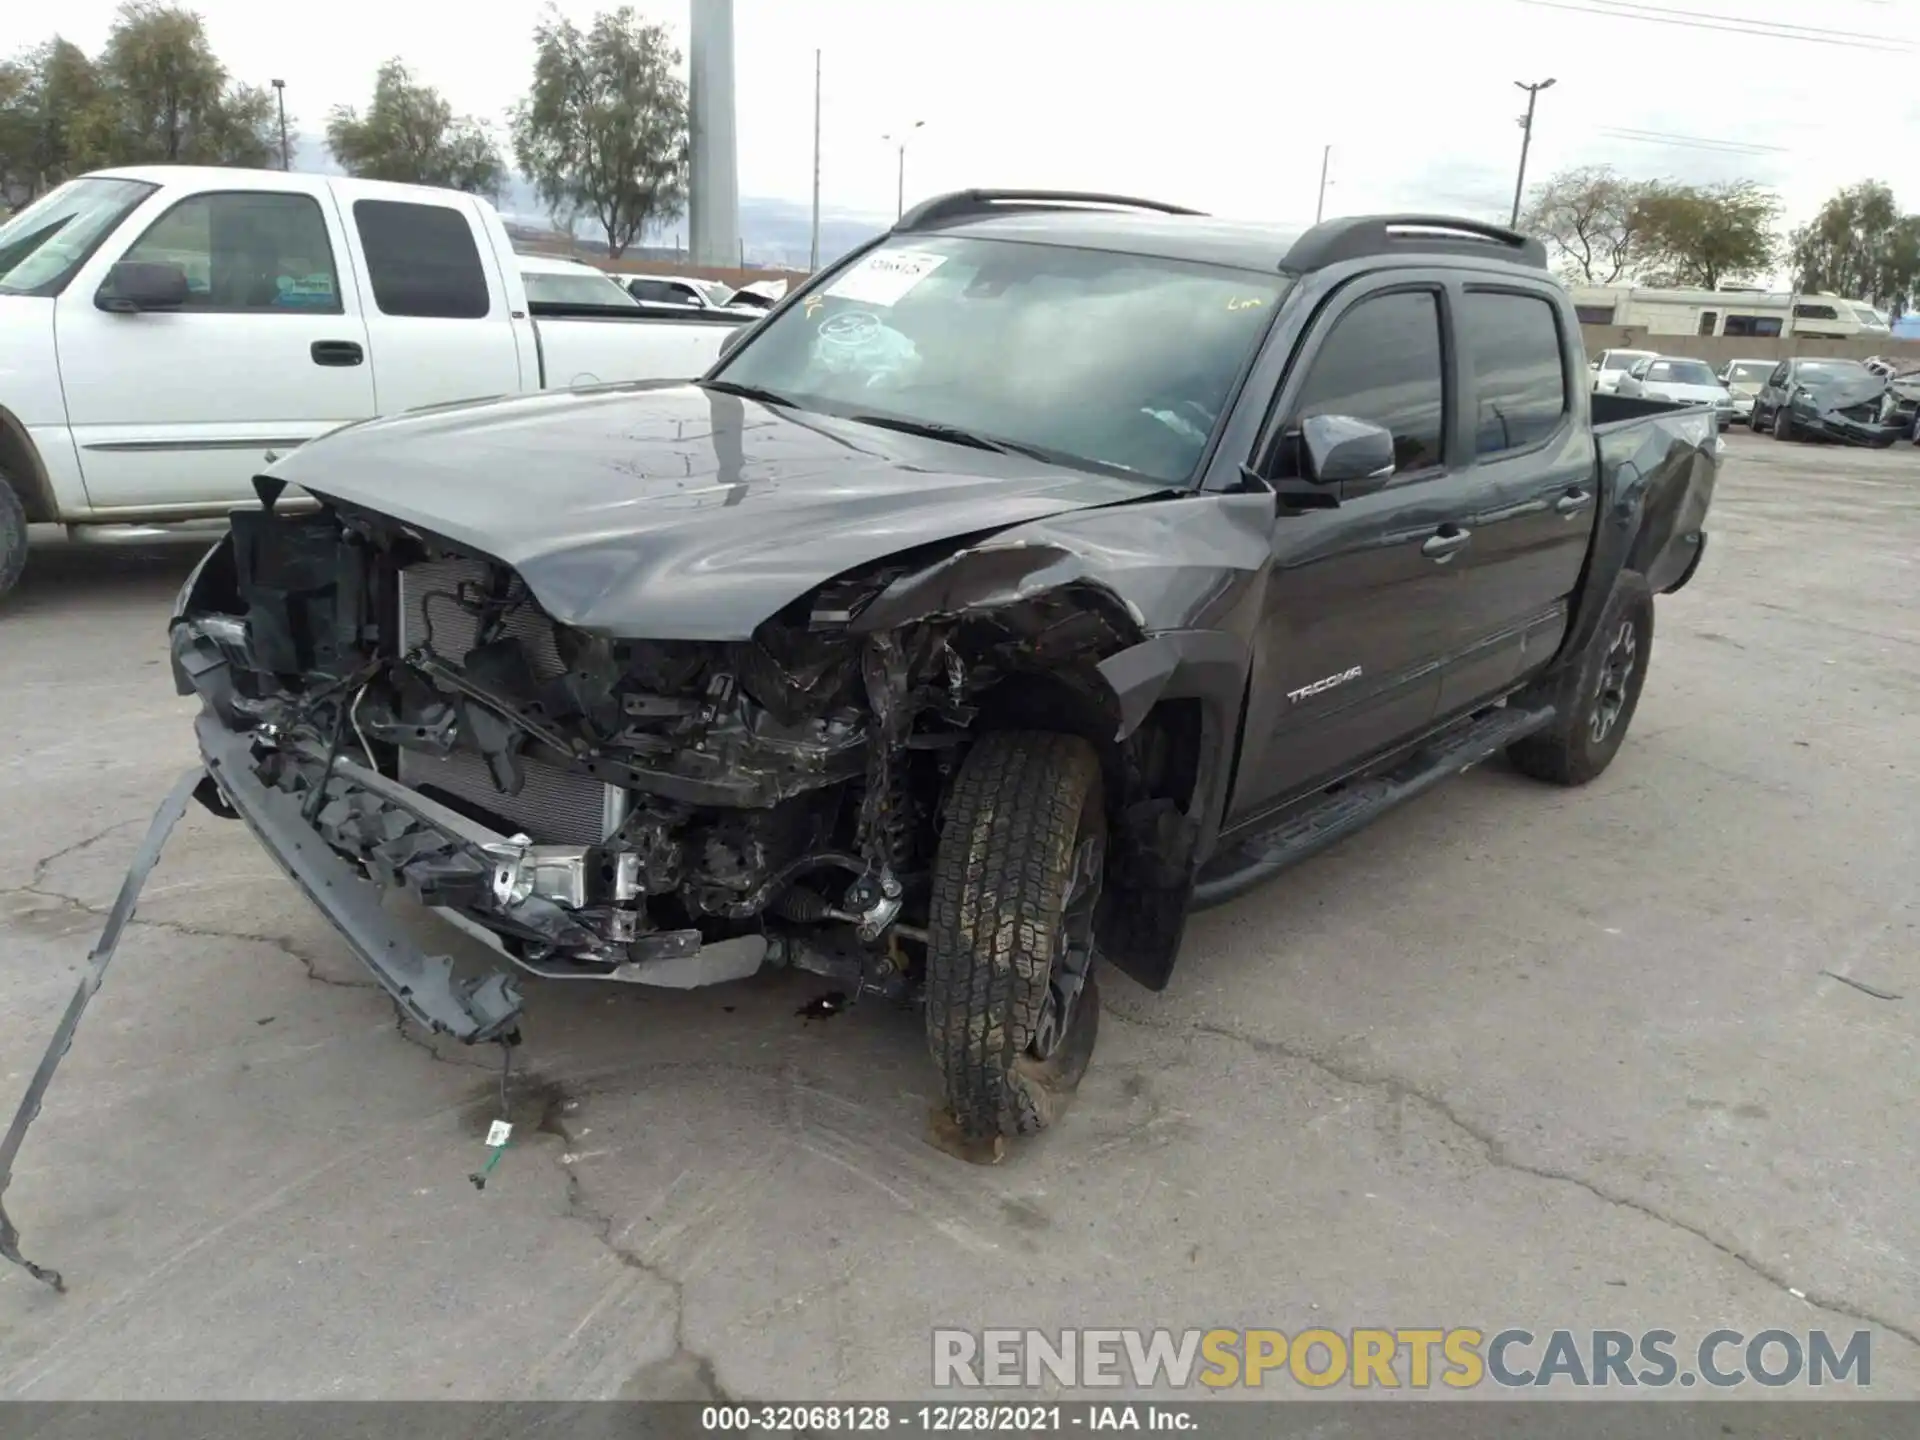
(813, 254)
(280, 93)
(900, 178)
(1526, 139)
(1320, 205)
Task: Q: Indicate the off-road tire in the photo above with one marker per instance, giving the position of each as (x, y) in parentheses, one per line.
(1569, 752)
(1783, 426)
(1018, 809)
(13, 536)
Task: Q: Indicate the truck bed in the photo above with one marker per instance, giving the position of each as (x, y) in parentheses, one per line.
(1655, 463)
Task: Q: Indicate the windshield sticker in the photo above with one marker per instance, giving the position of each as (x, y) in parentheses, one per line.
(856, 342)
(1245, 302)
(886, 276)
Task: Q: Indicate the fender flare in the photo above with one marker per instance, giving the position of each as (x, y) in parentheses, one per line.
(22, 467)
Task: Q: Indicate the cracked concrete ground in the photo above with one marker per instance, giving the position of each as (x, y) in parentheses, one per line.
(1517, 1056)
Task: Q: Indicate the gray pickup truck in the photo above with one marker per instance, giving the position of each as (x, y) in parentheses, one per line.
(1046, 569)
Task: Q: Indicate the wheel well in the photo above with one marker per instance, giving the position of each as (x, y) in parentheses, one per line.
(20, 466)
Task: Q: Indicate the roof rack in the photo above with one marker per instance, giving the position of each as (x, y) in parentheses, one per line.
(1358, 237)
(967, 204)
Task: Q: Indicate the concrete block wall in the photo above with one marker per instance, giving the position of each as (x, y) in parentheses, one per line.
(1717, 349)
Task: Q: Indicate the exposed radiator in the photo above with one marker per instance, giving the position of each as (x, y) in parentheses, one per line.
(554, 805)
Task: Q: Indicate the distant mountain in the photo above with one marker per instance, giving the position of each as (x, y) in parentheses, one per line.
(773, 232)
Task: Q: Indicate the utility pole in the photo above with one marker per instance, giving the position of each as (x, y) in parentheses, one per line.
(280, 92)
(813, 255)
(1526, 139)
(1320, 205)
(900, 180)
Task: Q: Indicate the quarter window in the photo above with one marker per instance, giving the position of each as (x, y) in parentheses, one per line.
(1382, 363)
(422, 260)
(1519, 371)
(250, 251)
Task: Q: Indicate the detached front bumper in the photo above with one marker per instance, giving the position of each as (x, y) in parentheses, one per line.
(1847, 430)
(425, 986)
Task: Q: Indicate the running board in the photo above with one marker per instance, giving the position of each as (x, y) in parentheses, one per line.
(1264, 854)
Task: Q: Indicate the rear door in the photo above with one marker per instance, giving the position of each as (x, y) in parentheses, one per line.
(1527, 474)
(439, 316)
(179, 408)
(1348, 657)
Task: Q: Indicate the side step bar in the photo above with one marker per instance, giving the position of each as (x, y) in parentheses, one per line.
(1263, 855)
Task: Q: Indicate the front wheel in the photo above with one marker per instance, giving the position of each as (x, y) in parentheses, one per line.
(1783, 426)
(1594, 699)
(13, 536)
(1013, 1007)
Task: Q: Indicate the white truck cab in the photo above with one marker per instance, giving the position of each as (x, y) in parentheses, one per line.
(167, 331)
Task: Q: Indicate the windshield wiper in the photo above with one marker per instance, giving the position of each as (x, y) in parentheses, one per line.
(954, 434)
(749, 392)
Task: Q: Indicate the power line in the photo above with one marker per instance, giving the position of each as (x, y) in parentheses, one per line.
(1694, 142)
(1730, 29)
(1767, 25)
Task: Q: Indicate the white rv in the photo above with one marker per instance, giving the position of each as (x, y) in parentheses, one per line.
(1756, 314)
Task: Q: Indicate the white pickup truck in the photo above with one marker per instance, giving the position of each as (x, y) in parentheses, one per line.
(166, 331)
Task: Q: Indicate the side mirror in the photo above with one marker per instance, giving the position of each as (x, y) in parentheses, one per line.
(731, 340)
(135, 285)
(1341, 448)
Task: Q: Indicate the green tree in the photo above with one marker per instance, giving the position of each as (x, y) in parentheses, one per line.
(410, 133)
(169, 99)
(1591, 216)
(50, 121)
(1698, 236)
(603, 131)
(1861, 246)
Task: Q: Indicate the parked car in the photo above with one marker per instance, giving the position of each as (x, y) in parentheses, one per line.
(1743, 378)
(688, 292)
(1051, 566)
(1830, 398)
(553, 283)
(1612, 367)
(166, 331)
(1677, 378)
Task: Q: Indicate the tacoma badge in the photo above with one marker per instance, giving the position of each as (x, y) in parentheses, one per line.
(1319, 686)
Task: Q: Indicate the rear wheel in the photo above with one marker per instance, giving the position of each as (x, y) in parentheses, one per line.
(1013, 1007)
(13, 536)
(1595, 699)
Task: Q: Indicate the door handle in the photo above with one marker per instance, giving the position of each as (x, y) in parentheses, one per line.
(337, 352)
(1440, 547)
(1572, 501)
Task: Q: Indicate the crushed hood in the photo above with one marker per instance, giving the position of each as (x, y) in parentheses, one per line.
(1839, 392)
(672, 512)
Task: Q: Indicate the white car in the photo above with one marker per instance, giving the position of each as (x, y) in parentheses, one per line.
(1683, 381)
(688, 292)
(167, 331)
(1744, 378)
(559, 284)
(1612, 366)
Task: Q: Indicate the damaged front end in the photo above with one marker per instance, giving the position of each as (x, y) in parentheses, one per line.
(387, 712)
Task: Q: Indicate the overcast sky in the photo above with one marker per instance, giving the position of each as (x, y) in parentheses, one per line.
(1221, 104)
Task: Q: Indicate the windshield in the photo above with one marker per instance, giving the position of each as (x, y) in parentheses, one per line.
(45, 243)
(549, 289)
(715, 292)
(1683, 372)
(1751, 372)
(1622, 359)
(1869, 317)
(1125, 361)
(1816, 372)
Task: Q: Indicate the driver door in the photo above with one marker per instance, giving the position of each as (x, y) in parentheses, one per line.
(1362, 602)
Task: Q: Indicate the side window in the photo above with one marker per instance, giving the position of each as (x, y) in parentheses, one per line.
(657, 292)
(247, 251)
(1815, 312)
(1594, 314)
(1520, 378)
(1708, 319)
(422, 260)
(685, 295)
(1382, 363)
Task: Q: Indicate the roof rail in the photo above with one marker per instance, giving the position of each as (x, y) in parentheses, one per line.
(966, 204)
(1356, 237)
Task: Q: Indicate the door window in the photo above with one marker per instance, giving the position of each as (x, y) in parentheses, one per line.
(422, 260)
(1815, 312)
(246, 251)
(1382, 363)
(1520, 377)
